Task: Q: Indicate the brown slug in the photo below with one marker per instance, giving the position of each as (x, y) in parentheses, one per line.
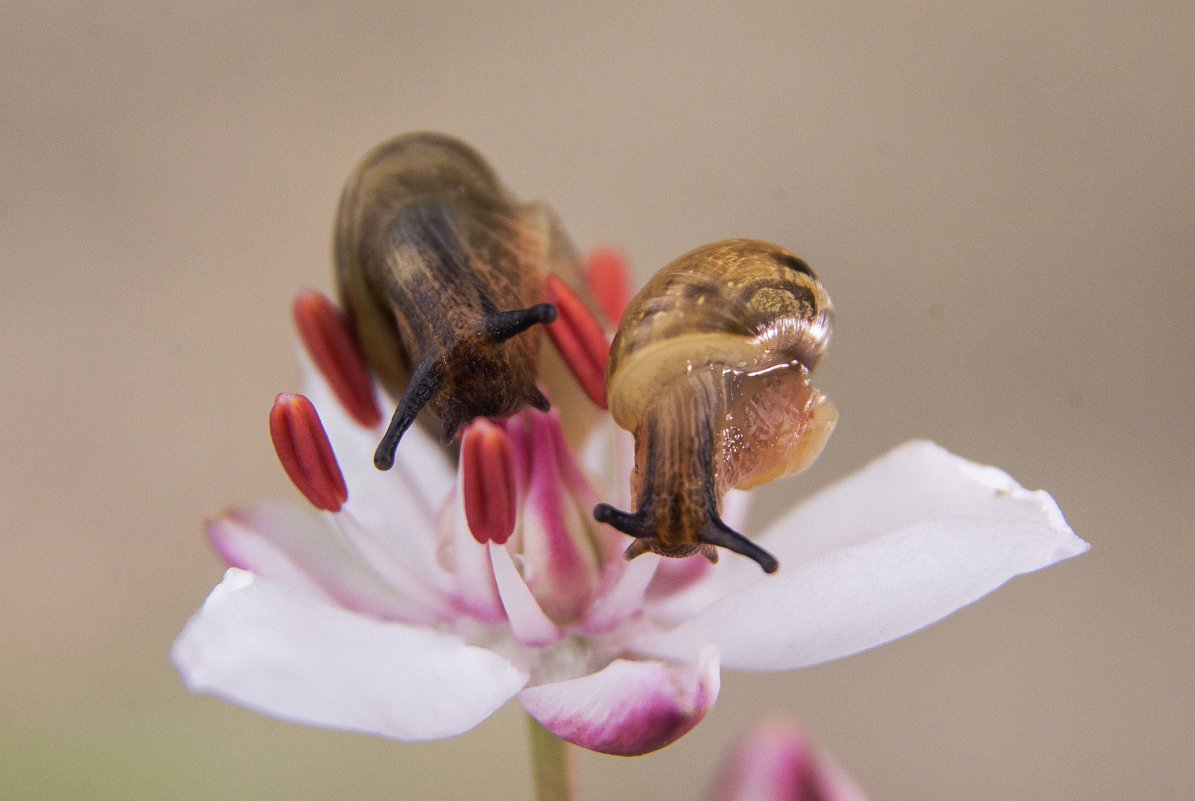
(441, 273)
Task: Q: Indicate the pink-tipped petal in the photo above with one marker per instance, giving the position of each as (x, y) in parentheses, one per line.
(528, 623)
(777, 763)
(955, 531)
(629, 707)
(278, 541)
(268, 647)
(560, 564)
(624, 599)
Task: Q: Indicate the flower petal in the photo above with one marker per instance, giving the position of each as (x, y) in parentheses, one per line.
(914, 482)
(406, 496)
(560, 563)
(955, 532)
(271, 648)
(624, 599)
(528, 623)
(777, 763)
(280, 542)
(629, 707)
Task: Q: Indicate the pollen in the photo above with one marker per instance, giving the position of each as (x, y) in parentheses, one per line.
(305, 453)
(580, 340)
(331, 345)
(488, 481)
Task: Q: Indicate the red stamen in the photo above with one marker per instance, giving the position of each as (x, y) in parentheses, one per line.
(488, 479)
(580, 340)
(303, 448)
(609, 278)
(328, 340)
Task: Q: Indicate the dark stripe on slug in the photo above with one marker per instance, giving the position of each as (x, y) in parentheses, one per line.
(793, 263)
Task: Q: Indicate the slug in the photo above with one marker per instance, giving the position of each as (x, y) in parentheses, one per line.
(441, 273)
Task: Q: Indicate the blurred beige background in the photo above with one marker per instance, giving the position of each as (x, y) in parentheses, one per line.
(999, 199)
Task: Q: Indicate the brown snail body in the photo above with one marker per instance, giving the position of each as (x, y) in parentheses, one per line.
(710, 372)
(441, 274)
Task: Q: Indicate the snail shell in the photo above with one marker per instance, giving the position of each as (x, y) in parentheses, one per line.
(439, 269)
(710, 371)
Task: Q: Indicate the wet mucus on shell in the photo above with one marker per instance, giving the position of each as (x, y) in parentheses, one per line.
(441, 275)
(710, 372)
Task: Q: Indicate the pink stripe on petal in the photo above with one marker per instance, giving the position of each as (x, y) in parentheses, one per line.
(280, 542)
(625, 599)
(629, 707)
(528, 622)
(398, 573)
(561, 566)
(268, 647)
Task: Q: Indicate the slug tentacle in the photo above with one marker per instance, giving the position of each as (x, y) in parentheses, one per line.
(501, 326)
(423, 384)
(710, 372)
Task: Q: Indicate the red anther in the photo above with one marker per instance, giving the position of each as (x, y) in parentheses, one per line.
(580, 340)
(303, 448)
(609, 278)
(489, 484)
(326, 335)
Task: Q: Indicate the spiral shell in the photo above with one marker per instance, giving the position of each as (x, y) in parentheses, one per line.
(710, 372)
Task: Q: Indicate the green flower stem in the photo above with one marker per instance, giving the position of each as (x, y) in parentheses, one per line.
(553, 764)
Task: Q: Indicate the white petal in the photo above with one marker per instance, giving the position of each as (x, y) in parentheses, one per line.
(399, 505)
(625, 598)
(528, 622)
(263, 645)
(280, 542)
(954, 531)
(629, 707)
(914, 482)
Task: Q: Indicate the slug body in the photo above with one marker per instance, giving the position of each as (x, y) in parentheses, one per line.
(441, 274)
(710, 372)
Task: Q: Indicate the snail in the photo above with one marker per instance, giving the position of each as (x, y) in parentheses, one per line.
(440, 271)
(710, 372)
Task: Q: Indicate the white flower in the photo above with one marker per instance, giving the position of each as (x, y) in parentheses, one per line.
(388, 616)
